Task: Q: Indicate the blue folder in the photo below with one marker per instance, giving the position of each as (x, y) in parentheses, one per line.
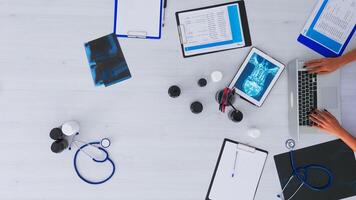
(331, 44)
(138, 18)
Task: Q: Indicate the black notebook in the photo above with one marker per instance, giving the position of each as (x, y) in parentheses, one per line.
(334, 155)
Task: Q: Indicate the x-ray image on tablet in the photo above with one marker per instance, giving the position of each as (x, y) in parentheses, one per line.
(256, 77)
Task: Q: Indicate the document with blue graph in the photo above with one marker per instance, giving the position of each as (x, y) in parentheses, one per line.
(330, 27)
(212, 29)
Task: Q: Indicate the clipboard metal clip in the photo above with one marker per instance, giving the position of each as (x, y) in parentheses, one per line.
(245, 147)
(137, 34)
(181, 32)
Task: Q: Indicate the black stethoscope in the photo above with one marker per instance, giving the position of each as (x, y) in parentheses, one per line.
(102, 146)
(301, 173)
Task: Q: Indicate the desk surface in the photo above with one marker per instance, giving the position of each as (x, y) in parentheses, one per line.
(162, 150)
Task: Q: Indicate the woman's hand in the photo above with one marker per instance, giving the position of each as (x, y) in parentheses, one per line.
(324, 65)
(327, 65)
(327, 122)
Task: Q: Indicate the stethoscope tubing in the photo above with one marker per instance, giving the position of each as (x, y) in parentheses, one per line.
(301, 173)
(107, 158)
(304, 178)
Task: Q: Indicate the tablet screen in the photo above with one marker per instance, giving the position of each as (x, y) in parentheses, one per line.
(256, 77)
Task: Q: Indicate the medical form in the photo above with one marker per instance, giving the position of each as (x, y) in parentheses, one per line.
(331, 23)
(212, 29)
(208, 27)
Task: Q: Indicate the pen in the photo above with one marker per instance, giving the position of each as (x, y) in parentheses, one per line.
(164, 12)
(233, 170)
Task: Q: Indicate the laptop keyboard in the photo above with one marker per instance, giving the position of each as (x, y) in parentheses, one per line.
(307, 96)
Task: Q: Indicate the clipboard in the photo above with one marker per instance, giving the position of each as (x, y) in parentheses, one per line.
(138, 19)
(237, 172)
(332, 40)
(236, 24)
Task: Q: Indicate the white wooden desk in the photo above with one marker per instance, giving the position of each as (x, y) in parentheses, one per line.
(162, 150)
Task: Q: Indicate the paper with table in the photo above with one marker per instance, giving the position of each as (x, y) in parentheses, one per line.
(330, 27)
(214, 28)
(138, 19)
(237, 172)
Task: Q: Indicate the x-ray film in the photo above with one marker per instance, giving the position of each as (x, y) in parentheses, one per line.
(256, 76)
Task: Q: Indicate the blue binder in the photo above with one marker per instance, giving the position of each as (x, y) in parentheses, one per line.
(321, 49)
(138, 18)
(321, 43)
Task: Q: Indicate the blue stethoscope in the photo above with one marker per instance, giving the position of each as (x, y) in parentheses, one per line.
(102, 146)
(301, 173)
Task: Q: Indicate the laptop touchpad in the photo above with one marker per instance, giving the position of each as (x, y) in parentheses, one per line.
(329, 97)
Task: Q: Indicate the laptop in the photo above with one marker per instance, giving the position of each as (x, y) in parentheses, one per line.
(306, 93)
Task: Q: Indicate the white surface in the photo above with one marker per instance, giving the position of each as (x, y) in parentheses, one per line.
(162, 151)
(138, 18)
(247, 172)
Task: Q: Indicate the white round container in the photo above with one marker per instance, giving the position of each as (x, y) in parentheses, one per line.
(254, 132)
(70, 128)
(216, 76)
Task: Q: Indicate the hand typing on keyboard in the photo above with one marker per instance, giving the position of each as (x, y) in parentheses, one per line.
(324, 65)
(328, 65)
(327, 122)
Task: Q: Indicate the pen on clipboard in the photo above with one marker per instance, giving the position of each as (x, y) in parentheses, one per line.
(164, 12)
(234, 169)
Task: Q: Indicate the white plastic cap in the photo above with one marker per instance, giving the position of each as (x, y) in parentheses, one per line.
(70, 128)
(254, 133)
(216, 76)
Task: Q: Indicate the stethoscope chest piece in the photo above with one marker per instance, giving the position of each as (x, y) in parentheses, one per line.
(105, 143)
(290, 144)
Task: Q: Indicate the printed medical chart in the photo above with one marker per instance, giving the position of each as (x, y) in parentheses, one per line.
(211, 29)
(331, 23)
(337, 20)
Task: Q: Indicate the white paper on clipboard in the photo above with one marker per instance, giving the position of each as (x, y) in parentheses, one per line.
(246, 163)
(138, 18)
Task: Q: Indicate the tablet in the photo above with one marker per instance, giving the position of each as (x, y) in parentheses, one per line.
(213, 28)
(256, 76)
(330, 27)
